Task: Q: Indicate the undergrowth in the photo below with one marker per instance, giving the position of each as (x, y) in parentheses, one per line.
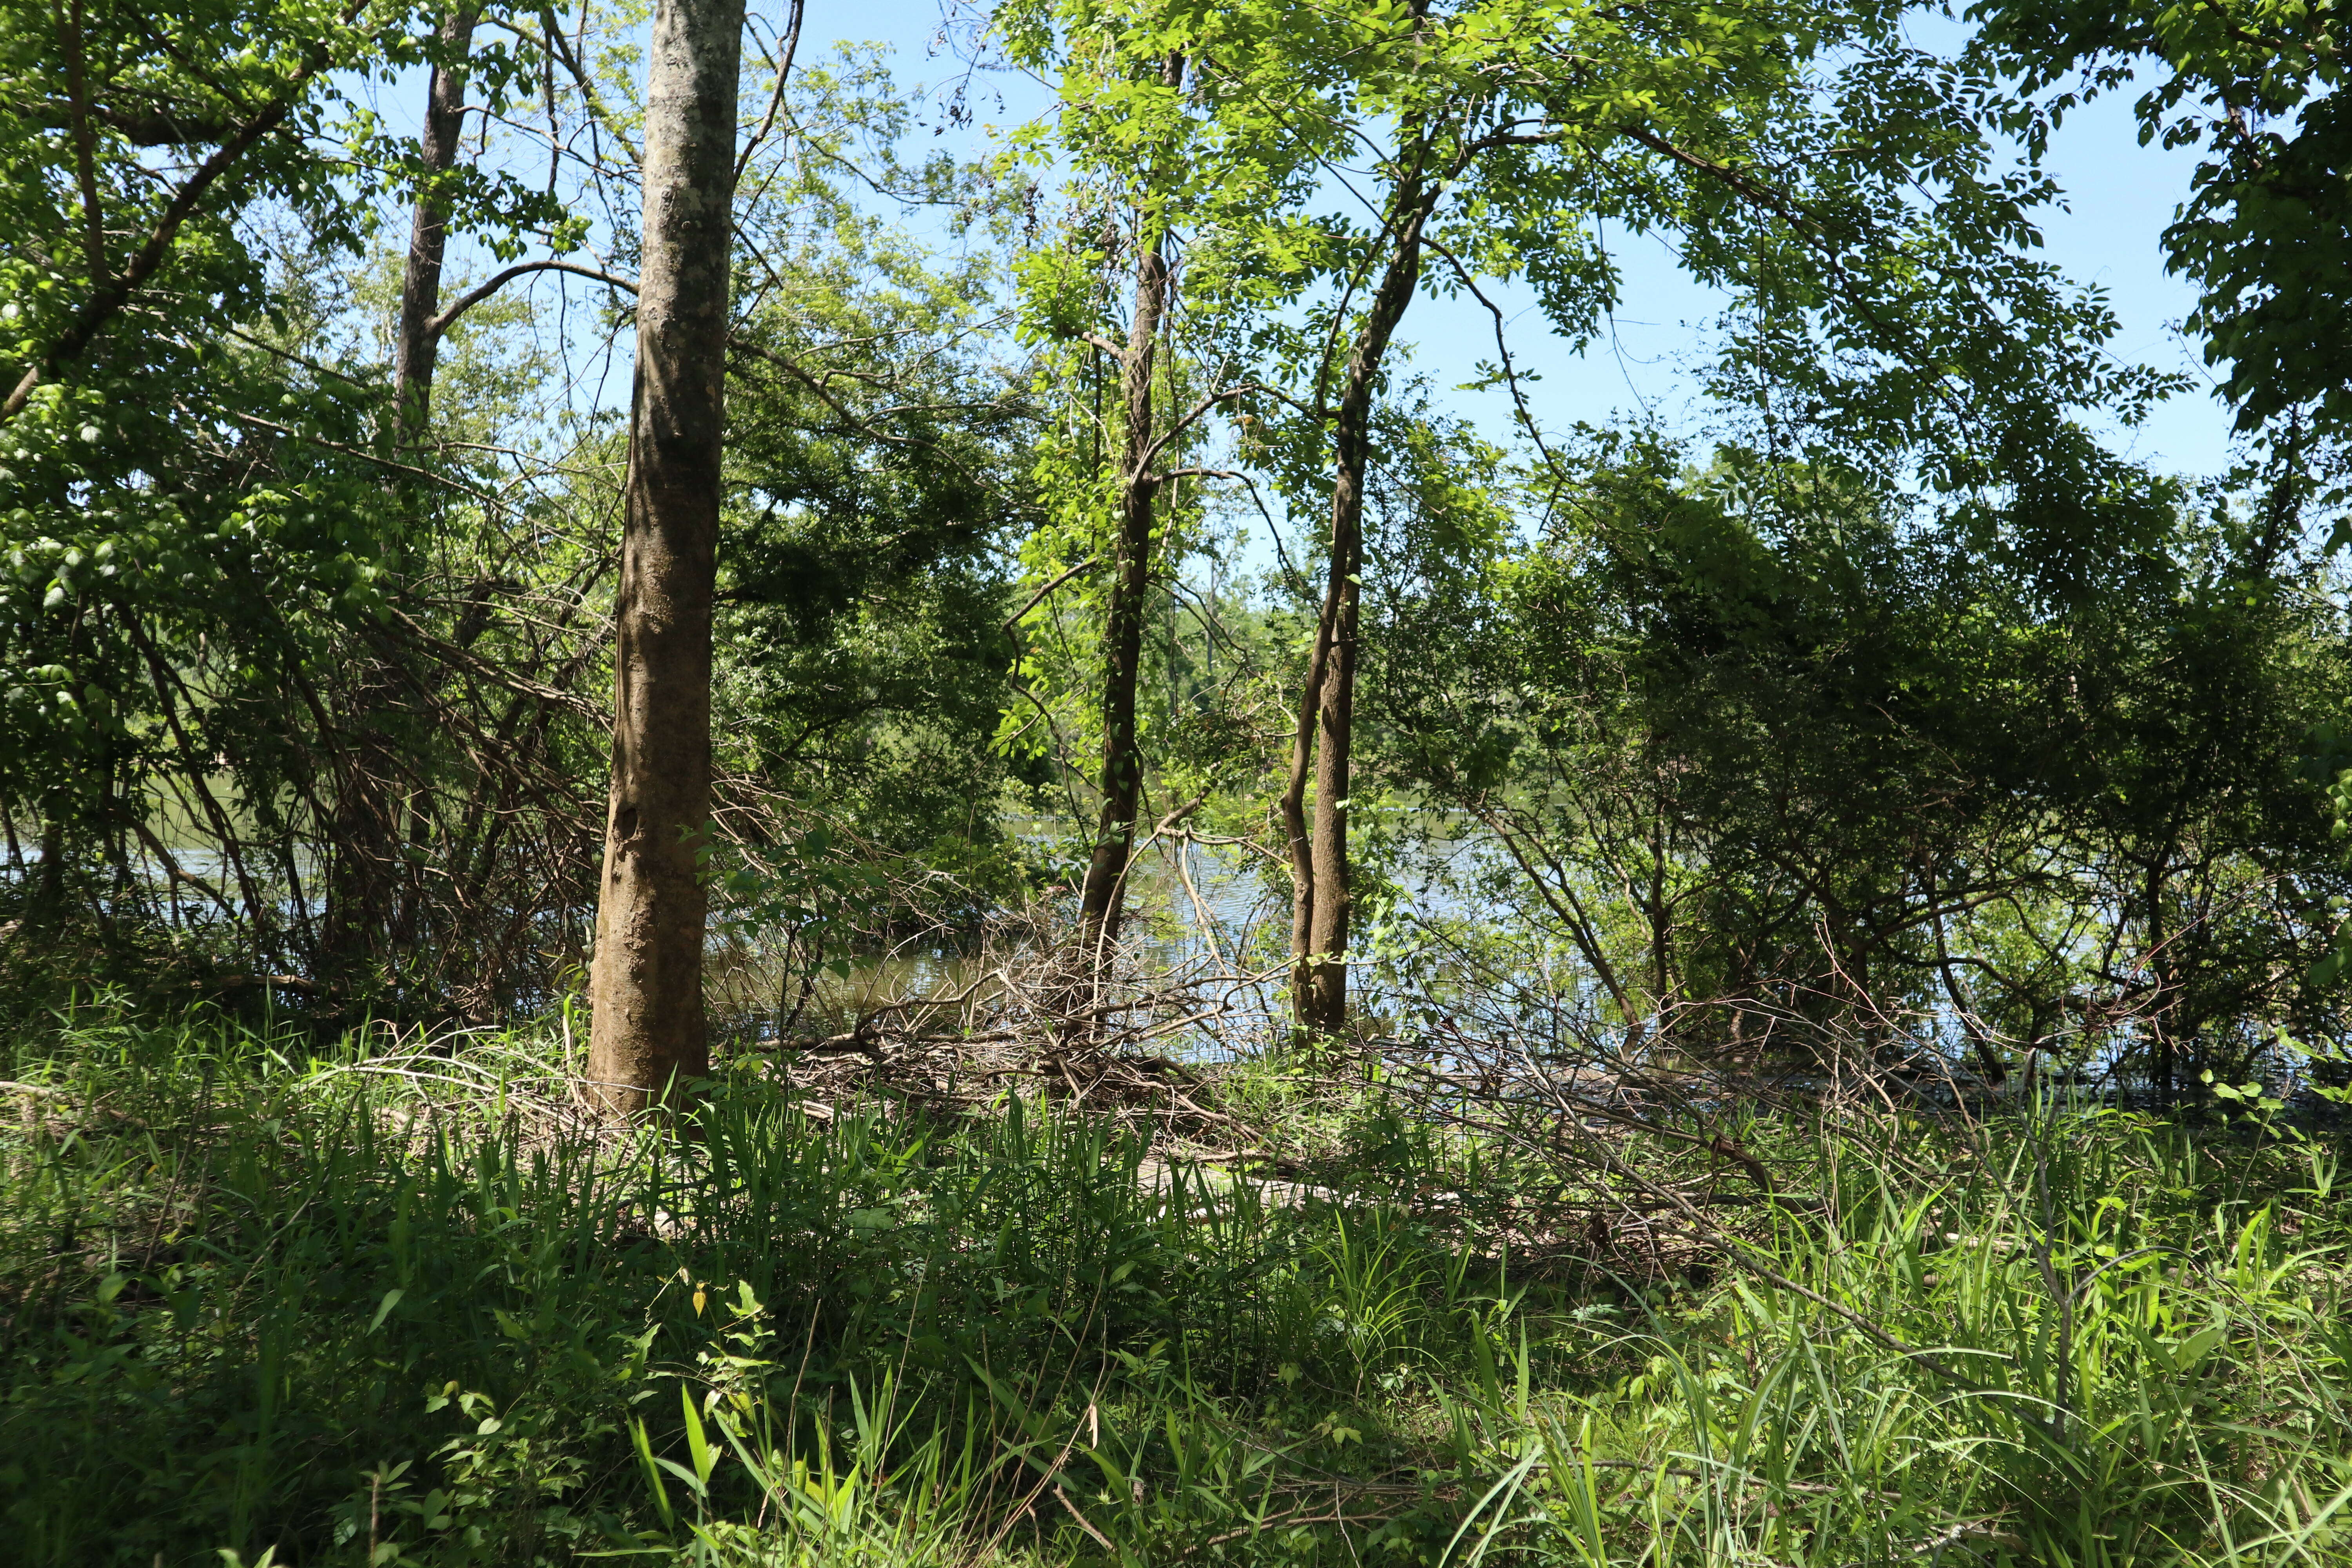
(260, 1303)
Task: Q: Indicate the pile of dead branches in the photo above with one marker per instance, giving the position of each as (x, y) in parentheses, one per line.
(1030, 1016)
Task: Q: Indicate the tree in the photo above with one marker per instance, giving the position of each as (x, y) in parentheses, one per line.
(1790, 763)
(1142, 156)
(170, 479)
(254, 118)
(361, 845)
(1781, 149)
(417, 340)
(2266, 232)
(878, 452)
(196, 395)
(1102, 894)
(648, 1031)
(1323, 886)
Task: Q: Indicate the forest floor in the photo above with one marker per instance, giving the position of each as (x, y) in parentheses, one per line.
(262, 1301)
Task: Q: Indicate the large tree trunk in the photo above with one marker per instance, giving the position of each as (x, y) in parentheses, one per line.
(362, 852)
(1104, 894)
(1321, 892)
(646, 975)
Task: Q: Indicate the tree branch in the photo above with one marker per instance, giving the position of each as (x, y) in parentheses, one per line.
(140, 127)
(111, 296)
(475, 296)
(775, 99)
(1015, 619)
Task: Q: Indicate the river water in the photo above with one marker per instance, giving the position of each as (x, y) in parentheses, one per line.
(1199, 909)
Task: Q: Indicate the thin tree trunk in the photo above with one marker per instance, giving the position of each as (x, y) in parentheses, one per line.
(360, 851)
(2160, 1017)
(646, 975)
(417, 351)
(1322, 895)
(417, 347)
(1104, 893)
(49, 894)
(1295, 827)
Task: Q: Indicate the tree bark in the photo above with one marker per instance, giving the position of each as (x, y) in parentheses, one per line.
(645, 985)
(1322, 893)
(417, 347)
(1103, 896)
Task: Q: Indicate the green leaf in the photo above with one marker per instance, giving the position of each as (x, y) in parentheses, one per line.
(706, 1457)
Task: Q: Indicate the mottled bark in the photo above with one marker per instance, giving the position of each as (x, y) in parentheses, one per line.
(1322, 894)
(648, 1031)
(416, 347)
(1102, 896)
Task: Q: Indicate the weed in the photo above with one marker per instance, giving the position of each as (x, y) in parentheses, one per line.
(403, 1308)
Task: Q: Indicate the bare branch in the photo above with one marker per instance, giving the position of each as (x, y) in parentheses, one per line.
(475, 295)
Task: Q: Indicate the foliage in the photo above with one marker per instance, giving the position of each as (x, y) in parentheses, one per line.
(2259, 88)
(1892, 721)
(205, 544)
(333, 714)
(382, 1307)
(874, 456)
(1759, 733)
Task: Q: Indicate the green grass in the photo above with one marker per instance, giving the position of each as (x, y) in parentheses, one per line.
(259, 1301)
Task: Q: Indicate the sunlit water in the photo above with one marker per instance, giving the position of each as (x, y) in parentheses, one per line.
(1194, 911)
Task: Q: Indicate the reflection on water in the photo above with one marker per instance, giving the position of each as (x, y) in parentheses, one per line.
(1192, 908)
(1195, 910)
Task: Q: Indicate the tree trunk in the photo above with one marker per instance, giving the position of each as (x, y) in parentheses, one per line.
(416, 348)
(363, 834)
(646, 975)
(1104, 894)
(417, 351)
(1294, 825)
(1322, 894)
(48, 901)
(2161, 1074)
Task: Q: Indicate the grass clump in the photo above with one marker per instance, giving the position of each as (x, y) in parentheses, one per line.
(351, 1308)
